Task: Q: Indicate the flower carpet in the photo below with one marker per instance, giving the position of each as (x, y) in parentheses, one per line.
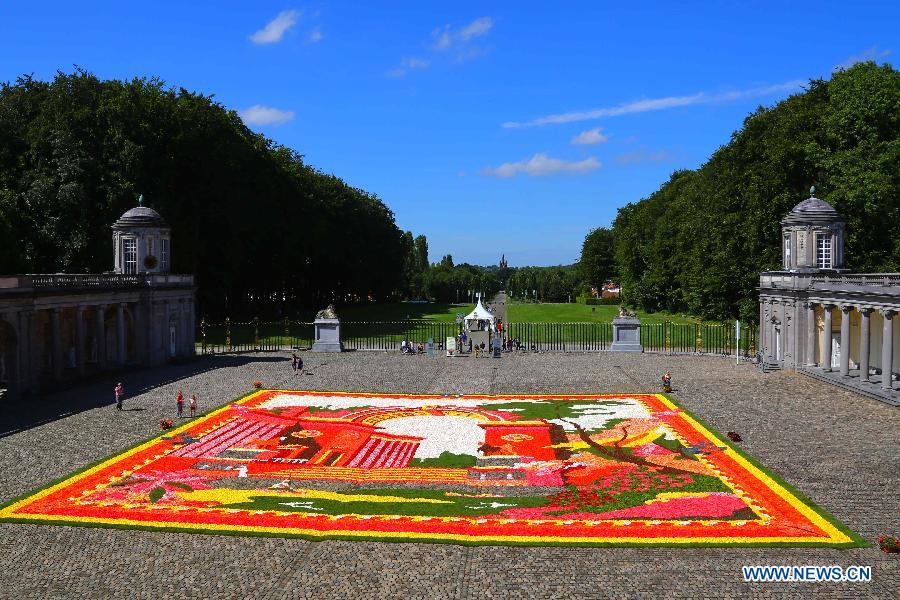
(590, 470)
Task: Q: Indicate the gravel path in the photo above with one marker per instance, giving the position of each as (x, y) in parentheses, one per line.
(836, 447)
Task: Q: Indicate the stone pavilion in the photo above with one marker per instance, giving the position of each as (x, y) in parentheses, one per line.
(58, 328)
(818, 318)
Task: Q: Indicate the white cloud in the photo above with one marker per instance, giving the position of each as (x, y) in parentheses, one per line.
(447, 37)
(540, 165)
(265, 115)
(407, 65)
(315, 36)
(476, 28)
(276, 28)
(656, 104)
(441, 38)
(643, 156)
(872, 53)
(591, 137)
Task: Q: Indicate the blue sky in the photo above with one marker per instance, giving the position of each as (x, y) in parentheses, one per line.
(490, 127)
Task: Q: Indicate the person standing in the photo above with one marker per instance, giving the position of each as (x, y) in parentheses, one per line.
(120, 391)
(179, 402)
(193, 404)
(294, 362)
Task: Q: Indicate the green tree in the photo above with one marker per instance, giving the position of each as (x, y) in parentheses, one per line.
(598, 261)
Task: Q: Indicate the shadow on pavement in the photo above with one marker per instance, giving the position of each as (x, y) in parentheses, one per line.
(32, 411)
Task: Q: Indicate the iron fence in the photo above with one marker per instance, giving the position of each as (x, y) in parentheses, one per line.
(698, 338)
(286, 335)
(562, 337)
(253, 336)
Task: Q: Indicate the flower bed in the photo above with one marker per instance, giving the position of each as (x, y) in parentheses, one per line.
(621, 469)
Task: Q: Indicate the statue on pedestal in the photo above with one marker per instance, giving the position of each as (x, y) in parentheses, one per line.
(327, 313)
(328, 331)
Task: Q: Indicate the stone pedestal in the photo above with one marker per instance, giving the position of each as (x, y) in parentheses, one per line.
(626, 335)
(328, 336)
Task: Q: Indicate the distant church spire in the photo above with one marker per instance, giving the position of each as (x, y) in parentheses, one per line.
(503, 264)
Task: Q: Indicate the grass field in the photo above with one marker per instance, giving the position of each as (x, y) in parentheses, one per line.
(400, 311)
(557, 326)
(520, 312)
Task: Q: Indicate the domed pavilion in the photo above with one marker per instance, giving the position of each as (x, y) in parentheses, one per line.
(61, 327)
(819, 319)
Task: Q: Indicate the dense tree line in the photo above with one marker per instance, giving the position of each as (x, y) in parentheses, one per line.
(448, 282)
(262, 230)
(549, 284)
(698, 244)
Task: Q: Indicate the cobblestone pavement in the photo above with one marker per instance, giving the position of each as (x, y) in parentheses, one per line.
(838, 448)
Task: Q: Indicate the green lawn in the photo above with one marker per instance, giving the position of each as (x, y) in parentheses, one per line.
(520, 312)
(558, 325)
(399, 311)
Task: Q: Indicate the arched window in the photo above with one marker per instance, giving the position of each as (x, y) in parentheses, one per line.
(787, 252)
(824, 256)
(129, 255)
(164, 254)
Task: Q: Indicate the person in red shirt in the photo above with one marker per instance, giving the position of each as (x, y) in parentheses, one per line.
(120, 391)
(179, 401)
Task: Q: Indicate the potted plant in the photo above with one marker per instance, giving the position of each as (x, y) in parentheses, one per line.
(889, 544)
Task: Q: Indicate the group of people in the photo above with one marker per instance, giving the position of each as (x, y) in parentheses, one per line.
(410, 348)
(179, 404)
(179, 401)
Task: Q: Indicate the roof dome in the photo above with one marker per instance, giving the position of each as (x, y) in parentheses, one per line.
(812, 211)
(140, 216)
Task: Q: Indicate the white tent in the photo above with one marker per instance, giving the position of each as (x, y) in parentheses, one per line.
(479, 313)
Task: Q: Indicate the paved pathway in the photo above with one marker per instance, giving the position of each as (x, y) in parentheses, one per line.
(836, 447)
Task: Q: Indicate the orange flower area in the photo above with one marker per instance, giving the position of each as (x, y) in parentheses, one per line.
(614, 469)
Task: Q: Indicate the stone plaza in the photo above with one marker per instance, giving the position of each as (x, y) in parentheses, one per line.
(834, 446)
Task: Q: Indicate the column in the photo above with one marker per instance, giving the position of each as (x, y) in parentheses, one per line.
(56, 341)
(845, 340)
(79, 339)
(864, 343)
(156, 336)
(120, 333)
(100, 332)
(887, 348)
(811, 334)
(764, 330)
(23, 373)
(826, 366)
(192, 328)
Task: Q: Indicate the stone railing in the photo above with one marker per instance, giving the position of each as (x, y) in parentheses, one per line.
(88, 281)
(886, 279)
(831, 281)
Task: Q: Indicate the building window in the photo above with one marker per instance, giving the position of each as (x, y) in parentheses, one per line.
(150, 246)
(823, 251)
(787, 252)
(129, 252)
(164, 254)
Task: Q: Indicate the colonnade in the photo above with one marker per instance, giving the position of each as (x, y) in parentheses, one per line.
(865, 334)
(80, 345)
